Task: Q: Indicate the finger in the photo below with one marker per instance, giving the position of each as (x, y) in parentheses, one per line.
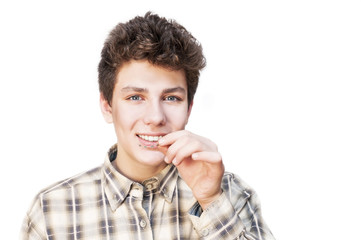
(178, 150)
(163, 149)
(170, 138)
(185, 149)
(210, 157)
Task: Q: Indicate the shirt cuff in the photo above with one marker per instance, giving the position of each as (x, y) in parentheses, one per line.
(218, 221)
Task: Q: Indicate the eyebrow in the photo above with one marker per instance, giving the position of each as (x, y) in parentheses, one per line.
(175, 89)
(133, 89)
(165, 91)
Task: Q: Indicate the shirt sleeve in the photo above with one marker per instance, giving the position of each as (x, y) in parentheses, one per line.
(33, 227)
(236, 214)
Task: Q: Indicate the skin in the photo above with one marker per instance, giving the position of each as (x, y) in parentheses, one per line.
(151, 100)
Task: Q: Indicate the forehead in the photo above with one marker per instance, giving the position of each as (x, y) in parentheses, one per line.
(142, 74)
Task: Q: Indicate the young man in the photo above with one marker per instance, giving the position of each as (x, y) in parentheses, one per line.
(159, 181)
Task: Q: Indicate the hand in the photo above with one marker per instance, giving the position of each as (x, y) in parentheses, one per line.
(198, 161)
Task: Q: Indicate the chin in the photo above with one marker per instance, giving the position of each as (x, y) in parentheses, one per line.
(152, 159)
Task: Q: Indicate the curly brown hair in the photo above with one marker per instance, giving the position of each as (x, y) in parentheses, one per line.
(162, 42)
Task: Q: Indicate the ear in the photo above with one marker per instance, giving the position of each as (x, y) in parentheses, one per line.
(106, 109)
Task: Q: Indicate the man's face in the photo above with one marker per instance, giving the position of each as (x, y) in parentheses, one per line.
(148, 103)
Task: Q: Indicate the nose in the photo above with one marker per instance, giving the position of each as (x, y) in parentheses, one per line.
(154, 114)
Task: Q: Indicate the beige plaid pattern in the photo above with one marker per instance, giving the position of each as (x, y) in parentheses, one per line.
(103, 204)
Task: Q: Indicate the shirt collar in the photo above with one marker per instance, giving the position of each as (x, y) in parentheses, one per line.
(167, 180)
(117, 186)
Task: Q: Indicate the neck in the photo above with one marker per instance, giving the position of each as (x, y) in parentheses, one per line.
(137, 172)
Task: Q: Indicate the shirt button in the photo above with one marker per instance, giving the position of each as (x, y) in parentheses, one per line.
(204, 232)
(143, 223)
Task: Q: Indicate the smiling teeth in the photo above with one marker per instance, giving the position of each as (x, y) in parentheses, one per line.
(150, 138)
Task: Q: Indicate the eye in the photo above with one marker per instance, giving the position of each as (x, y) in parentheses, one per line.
(172, 99)
(134, 98)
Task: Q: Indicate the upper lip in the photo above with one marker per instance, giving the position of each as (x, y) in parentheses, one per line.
(152, 134)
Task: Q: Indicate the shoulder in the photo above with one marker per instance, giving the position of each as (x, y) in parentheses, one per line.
(237, 190)
(60, 192)
(77, 182)
(231, 180)
(53, 199)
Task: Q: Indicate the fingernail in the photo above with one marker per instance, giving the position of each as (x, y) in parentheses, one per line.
(166, 160)
(160, 141)
(175, 161)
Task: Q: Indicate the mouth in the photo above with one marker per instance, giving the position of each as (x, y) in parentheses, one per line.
(149, 141)
(150, 138)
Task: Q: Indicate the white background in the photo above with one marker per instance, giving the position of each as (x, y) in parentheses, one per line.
(280, 96)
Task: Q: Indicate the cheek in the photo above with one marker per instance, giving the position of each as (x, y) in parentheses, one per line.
(125, 117)
(178, 118)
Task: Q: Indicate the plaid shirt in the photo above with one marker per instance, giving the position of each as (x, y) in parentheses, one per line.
(103, 204)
